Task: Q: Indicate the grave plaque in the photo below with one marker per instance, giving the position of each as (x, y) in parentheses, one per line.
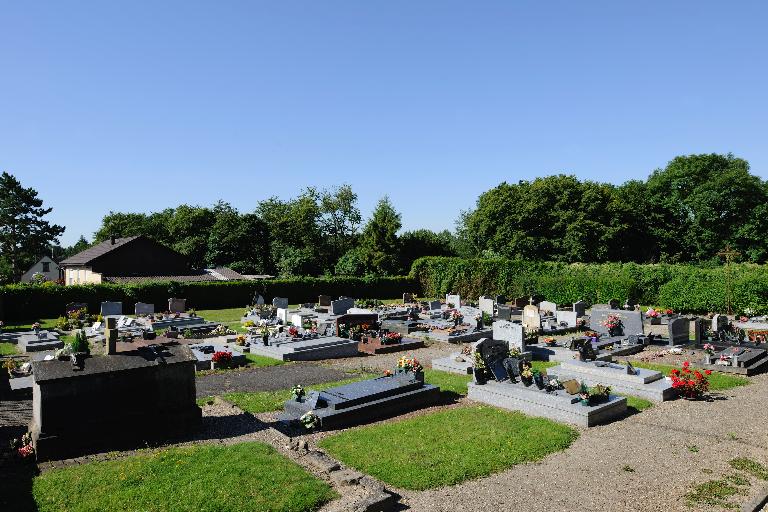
(111, 308)
(486, 305)
(613, 304)
(280, 302)
(504, 312)
(679, 331)
(580, 308)
(453, 299)
(143, 308)
(341, 306)
(510, 332)
(572, 386)
(531, 318)
(177, 305)
(547, 307)
(324, 301)
(435, 305)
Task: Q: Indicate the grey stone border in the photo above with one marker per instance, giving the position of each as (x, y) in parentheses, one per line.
(756, 504)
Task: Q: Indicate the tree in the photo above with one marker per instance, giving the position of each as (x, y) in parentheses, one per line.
(379, 245)
(239, 241)
(339, 220)
(423, 242)
(189, 230)
(24, 234)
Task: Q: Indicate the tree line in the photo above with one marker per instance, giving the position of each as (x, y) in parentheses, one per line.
(685, 212)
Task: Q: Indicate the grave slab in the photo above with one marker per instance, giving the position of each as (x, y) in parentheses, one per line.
(323, 347)
(43, 340)
(648, 384)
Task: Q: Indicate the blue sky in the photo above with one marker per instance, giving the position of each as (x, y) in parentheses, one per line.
(138, 106)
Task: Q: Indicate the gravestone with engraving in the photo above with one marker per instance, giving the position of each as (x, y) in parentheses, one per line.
(504, 312)
(547, 307)
(176, 305)
(566, 319)
(679, 331)
(341, 306)
(531, 318)
(435, 305)
(111, 308)
(580, 308)
(510, 332)
(280, 302)
(143, 308)
(631, 321)
(454, 299)
(324, 301)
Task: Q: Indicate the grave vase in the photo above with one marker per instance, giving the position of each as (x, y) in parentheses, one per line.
(539, 381)
(480, 376)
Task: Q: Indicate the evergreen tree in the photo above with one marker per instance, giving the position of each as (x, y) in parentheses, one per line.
(379, 245)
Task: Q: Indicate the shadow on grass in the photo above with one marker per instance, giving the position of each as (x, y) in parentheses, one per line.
(16, 486)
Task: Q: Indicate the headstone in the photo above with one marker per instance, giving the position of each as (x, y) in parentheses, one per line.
(177, 305)
(510, 332)
(341, 306)
(144, 308)
(494, 353)
(719, 322)
(679, 331)
(407, 298)
(324, 301)
(259, 300)
(504, 312)
(486, 305)
(500, 299)
(580, 308)
(521, 302)
(283, 315)
(435, 305)
(566, 317)
(697, 331)
(631, 321)
(453, 299)
(280, 302)
(547, 307)
(613, 304)
(531, 318)
(111, 308)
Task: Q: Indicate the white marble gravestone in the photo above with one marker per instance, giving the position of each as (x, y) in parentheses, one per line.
(486, 305)
(531, 318)
(510, 332)
(453, 299)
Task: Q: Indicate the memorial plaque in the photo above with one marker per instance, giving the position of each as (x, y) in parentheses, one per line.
(531, 318)
(572, 386)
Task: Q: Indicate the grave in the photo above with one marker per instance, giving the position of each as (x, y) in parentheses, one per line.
(679, 330)
(739, 360)
(280, 302)
(631, 321)
(143, 308)
(504, 313)
(627, 379)
(376, 345)
(454, 299)
(38, 341)
(508, 392)
(203, 353)
(362, 402)
(566, 319)
(177, 305)
(531, 318)
(521, 302)
(179, 323)
(341, 306)
(435, 305)
(321, 347)
(547, 307)
(500, 299)
(117, 401)
(487, 305)
(511, 333)
(111, 308)
(580, 308)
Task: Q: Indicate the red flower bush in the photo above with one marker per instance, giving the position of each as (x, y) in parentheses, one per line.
(293, 331)
(690, 383)
(222, 358)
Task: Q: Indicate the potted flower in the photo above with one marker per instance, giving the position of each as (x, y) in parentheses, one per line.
(549, 341)
(297, 393)
(526, 375)
(553, 384)
(709, 352)
(23, 448)
(613, 324)
(310, 420)
(240, 340)
(265, 335)
(293, 331)
(479, 368)
(410, 365)
(599, 394)
(392, 338)
(538, 379)
(456, 317)
(691, 383)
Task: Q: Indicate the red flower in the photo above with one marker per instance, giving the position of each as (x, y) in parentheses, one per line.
(708, 372)
(686, 364)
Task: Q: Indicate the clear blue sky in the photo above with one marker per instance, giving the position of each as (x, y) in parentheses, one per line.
(138, 106)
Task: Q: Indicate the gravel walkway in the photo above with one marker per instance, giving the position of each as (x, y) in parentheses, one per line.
(269, 378)
(381, 362)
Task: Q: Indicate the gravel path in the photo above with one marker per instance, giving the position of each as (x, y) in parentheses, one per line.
(269, 378)
(381, 362)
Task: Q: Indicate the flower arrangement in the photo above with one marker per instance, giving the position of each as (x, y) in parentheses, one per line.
(477, 361)
(10, 365)
(669, 311)
(748, 312)
(611, 322)
(221, 330)
(597, 394)
(249, 323)
(23, 446)
(310, 420)
(652, 313)
(388, 373)
(549, 341)
(591, 334)
(409, 365)
(240, 340)
(222, 358)
(297, 392)
(690, 383)
(515, 352)
(709, 348)
(392, 338)
(553, 384)
(293, 331)
(466, 350)
(456, 316)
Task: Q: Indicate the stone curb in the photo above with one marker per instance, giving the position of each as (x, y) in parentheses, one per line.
(756, 503)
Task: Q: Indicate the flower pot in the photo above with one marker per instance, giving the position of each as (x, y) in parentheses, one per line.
(480, 377)
(539, 381)
(586, 402)
(527, 381)
(78, 359)
(419, 376)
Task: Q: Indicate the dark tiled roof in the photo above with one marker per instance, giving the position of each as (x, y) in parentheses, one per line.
(90, 254)
(229, 274)
(203, 275)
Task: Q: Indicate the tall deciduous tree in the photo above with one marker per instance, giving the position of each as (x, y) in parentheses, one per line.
(24, 233)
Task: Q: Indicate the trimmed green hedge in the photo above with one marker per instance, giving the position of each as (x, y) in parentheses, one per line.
(21, 302)
(683, 287)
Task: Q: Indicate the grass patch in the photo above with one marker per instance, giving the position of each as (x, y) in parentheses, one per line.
(267, 401)
(45, 324)
(246, 476)
(636, 404)
(448, 447)
(451, 383)
(229, 317)
(257, 361)
(717, 381)
(714, 493)
(750, 466)
(7, 349)
(206, 400)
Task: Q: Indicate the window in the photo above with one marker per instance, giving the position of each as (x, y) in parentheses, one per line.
(46, 266)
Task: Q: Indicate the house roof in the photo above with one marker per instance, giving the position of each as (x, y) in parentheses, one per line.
(98, 250)
(217, 274)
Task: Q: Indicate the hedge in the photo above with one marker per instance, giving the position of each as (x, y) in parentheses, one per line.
(22, 302)
(684, 287)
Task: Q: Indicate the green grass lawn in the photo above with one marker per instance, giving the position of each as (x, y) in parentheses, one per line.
(229, 317)
(717, 381)
(636, 404)
(451, 383)
(448, 447)
(246, 476)
(45, 323)
(267, 401)
(7, 349)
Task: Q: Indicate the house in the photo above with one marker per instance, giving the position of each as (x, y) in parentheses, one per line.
(46, 266)
(135, 259)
